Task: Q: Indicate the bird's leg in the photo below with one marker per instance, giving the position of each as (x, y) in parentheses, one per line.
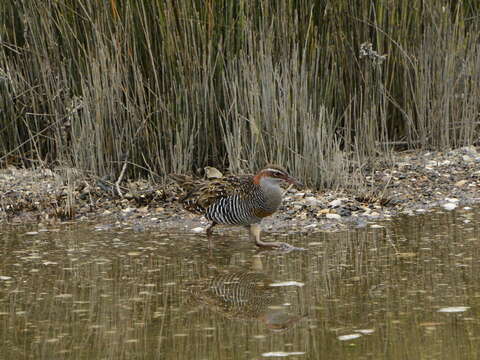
(255, 230)
(209, 229)
(209, 234)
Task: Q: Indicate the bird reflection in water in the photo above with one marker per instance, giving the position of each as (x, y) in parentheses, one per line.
(246, 295)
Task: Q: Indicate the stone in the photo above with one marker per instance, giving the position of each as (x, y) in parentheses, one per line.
(335, 203)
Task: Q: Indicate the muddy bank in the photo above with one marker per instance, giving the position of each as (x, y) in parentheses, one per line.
(413, 183)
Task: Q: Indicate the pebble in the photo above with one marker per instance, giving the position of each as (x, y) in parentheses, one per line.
(344, 212)
(198, 229)
(449, 206)
(312, 201)
(332, 216)
(335, 203)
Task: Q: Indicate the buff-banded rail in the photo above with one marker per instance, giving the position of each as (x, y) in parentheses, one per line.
(239, 200)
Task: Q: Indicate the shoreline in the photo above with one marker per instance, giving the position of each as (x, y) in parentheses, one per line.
(415, 182)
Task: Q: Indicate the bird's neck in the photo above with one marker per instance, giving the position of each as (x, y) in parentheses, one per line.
(272, 192)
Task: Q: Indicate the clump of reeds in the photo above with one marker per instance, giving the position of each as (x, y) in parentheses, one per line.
(180, 85)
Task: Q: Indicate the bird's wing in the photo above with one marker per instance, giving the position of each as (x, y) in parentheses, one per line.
(200, 198)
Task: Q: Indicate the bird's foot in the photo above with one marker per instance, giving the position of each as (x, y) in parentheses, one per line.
(280, 246)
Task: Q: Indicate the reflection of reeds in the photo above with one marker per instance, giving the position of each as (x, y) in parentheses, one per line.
(235, 84)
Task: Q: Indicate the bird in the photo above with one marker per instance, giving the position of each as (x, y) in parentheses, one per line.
(238, 200)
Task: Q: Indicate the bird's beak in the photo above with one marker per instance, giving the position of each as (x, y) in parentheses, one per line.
(292, 180)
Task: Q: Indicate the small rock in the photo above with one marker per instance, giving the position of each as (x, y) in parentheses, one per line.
(449, 206)
(344, 212)
(138, 228)
(333, 216)
(312, 201)
(198, 229)
(335, 203)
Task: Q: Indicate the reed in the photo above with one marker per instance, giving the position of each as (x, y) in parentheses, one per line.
(178, 85)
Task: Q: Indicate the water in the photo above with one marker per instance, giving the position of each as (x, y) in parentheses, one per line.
(407, 290)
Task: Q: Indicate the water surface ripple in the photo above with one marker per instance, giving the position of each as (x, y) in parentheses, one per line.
(407, 289)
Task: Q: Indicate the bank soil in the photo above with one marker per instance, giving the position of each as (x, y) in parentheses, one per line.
(413, 182)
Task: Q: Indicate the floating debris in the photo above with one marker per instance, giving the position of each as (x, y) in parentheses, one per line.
(349, 337)
(430, 324)
(134, 253)
(64, 296)
(406, 255)
(453, 309)
(282, 353)
(287, 283)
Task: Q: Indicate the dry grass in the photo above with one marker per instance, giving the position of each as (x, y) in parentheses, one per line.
(235, 84)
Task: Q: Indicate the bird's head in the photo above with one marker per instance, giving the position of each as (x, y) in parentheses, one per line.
(277, 175)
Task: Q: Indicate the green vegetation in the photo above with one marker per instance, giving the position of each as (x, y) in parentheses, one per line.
(178, 85)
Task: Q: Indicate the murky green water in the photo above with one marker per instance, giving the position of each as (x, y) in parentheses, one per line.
(409, 290)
